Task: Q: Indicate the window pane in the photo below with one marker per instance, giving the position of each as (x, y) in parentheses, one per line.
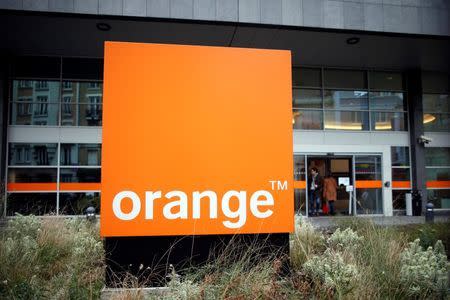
(346, 120)
(82, 91)
(437, 156)
(434, 82)
(90, 114)
(436, 103)
(307, 119)
(76, 203)
(307, 98)
(32, 154)
(345, 79)
(400, 156)
(368, 167)
(31, 203)
(389, 121)
(346, 100)
(39, 112)
(436, 122)
(36, 175)
(80, 174)
(387, 101)
(400, 174)
(299, 167)
(30, 90)
(386, 81)
(306, 77)
(300, 201)
(438, 173)
(440, 198)
(398, 199)
(80, 154)
(369, 201)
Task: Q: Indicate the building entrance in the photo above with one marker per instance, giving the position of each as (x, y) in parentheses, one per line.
(340, 169)
(359, 183)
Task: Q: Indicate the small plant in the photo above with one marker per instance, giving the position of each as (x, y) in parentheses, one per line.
(331, 271)
(424, 272)
(306, 242)
(346, 239)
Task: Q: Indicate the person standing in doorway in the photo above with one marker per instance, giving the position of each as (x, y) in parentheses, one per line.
(330, 191)
(315, 187)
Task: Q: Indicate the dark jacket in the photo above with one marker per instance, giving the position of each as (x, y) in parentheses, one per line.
(319, 182)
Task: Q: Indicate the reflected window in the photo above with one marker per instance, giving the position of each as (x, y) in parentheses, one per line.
(346, 120)
(31, 175)
(387, 101)
(440, 198)
(76, 203)
(307, 119)
(80, 175)
(388, 121)
(400, 156)
(32, 154)
(437, 156)
(81, 154)
(351, 100)
(37, 204)
(307, 98)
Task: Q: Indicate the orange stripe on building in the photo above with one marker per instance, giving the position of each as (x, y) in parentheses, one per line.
(77, 186)
(368, 184)
(401, 184)
(31, 186)
(301, 184)
(443, 184)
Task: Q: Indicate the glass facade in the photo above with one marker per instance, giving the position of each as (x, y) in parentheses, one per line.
(437, 160)
(401, 176)
(332, 99)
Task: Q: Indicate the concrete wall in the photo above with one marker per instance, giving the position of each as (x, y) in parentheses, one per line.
(429, 17)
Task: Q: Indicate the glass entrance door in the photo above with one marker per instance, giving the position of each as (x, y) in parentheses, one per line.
(369, 199)
(340, 168)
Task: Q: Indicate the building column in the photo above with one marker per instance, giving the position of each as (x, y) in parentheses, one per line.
(416, 129)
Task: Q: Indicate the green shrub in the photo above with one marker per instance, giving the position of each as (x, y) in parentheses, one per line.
(424, 272)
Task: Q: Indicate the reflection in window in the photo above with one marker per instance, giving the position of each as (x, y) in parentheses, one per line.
(307, 98)
(81, 154)
(435, 173)
(388, 121)
(400, 174)
(400, 156)
(369, 201)
(436, 103)
(440, 198)
(31, 203)
(307, 119)
(436, 122)
(31, 175)
(80, 175)
(368, 167)
(437, 156)
(76, 203)
(352, 100)
(398, 199)
(32, 154)
(346, 120)
(387, 101)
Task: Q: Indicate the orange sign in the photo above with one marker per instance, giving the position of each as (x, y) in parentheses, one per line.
(196, 140)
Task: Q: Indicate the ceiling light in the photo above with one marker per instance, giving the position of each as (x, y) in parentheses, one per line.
(353, 40)
(103, 26)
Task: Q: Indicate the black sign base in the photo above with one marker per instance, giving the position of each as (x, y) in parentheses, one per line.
(149, 258)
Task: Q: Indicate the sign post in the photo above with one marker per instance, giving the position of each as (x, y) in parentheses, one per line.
(196, 141)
